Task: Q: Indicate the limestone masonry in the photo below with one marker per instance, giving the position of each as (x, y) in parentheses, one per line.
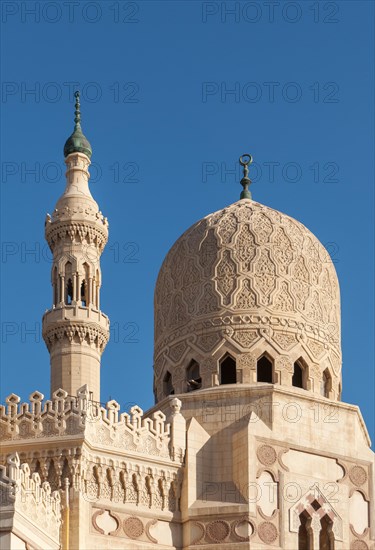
(249, 444)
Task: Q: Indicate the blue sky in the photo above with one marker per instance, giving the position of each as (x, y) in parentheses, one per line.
(171, 94)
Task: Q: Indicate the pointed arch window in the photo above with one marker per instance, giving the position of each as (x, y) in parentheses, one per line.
(299, 377)
(305, 534)
(167, 383)
(326, 536)
(69, 290)
(194, 380)
(326, 383)
(97, 286)
(264, 370)
(85, 285)
(84, 293)
(228, 370)
(55, 287)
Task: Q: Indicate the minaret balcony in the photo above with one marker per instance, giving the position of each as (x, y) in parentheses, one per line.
(75, 312)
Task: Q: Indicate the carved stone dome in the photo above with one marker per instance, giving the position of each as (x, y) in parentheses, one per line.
(247, 282)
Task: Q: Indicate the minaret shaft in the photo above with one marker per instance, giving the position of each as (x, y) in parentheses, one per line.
(75, 330)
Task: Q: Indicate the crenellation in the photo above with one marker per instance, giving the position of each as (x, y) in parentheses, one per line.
(21, 494)
(68, 417)
(248, 444)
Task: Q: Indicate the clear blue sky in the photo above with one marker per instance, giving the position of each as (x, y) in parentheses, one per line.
(172, 94)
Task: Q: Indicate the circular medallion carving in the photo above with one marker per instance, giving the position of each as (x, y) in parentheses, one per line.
(358, 475)
(358, 545)
(218, 530)
(267, 532)
(266, 455)
(133, 527)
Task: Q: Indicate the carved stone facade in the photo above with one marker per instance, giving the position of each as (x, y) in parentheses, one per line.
(24, 499)
(247, 278)
(249, 444)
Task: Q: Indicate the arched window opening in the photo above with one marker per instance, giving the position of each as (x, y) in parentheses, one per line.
(97, 286)
(340, 392)
(54, 283)
(68, 295)
(305, 535)
(228, 371)
(264, 370)
(168, 387)
(326, 536)
(194, 380)
(298, 376)
(69, 292)
(84, 293)
(326, 383)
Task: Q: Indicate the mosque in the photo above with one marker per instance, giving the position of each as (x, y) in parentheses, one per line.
(248, 446)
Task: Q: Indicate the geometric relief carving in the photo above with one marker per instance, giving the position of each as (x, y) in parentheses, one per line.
(221, 531)
(283, 251)
(178, 314)
(245, 247)
(226, 277)
(315, 265)
(267, 532)
(314, 310)
(133, 527)
(245, 337)
(265, 275)
(283, 300)
(177, 351)
(316, 348)
(285, 341)
(358, 475)
(266, 455)
(208, 255)
(208, 302)
(218, 530)
(262, 227)
(207, 341)
(190, 279)
(227, 228)
(300, 282)
(245, 298)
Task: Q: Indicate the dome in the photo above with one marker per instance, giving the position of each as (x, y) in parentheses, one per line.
(77, 143)
(247, 282)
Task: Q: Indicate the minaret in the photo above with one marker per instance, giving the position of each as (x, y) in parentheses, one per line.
(75, 330)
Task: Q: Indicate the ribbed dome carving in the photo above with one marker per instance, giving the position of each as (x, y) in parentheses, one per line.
(243, 275)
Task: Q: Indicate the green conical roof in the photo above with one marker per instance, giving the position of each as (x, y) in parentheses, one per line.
(77, 142)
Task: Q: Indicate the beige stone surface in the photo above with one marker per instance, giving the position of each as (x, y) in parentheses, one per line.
(247, 280)
(224, 460)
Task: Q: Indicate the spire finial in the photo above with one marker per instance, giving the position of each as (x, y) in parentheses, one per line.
(245, 160)
(77, 112)
(77, 142)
